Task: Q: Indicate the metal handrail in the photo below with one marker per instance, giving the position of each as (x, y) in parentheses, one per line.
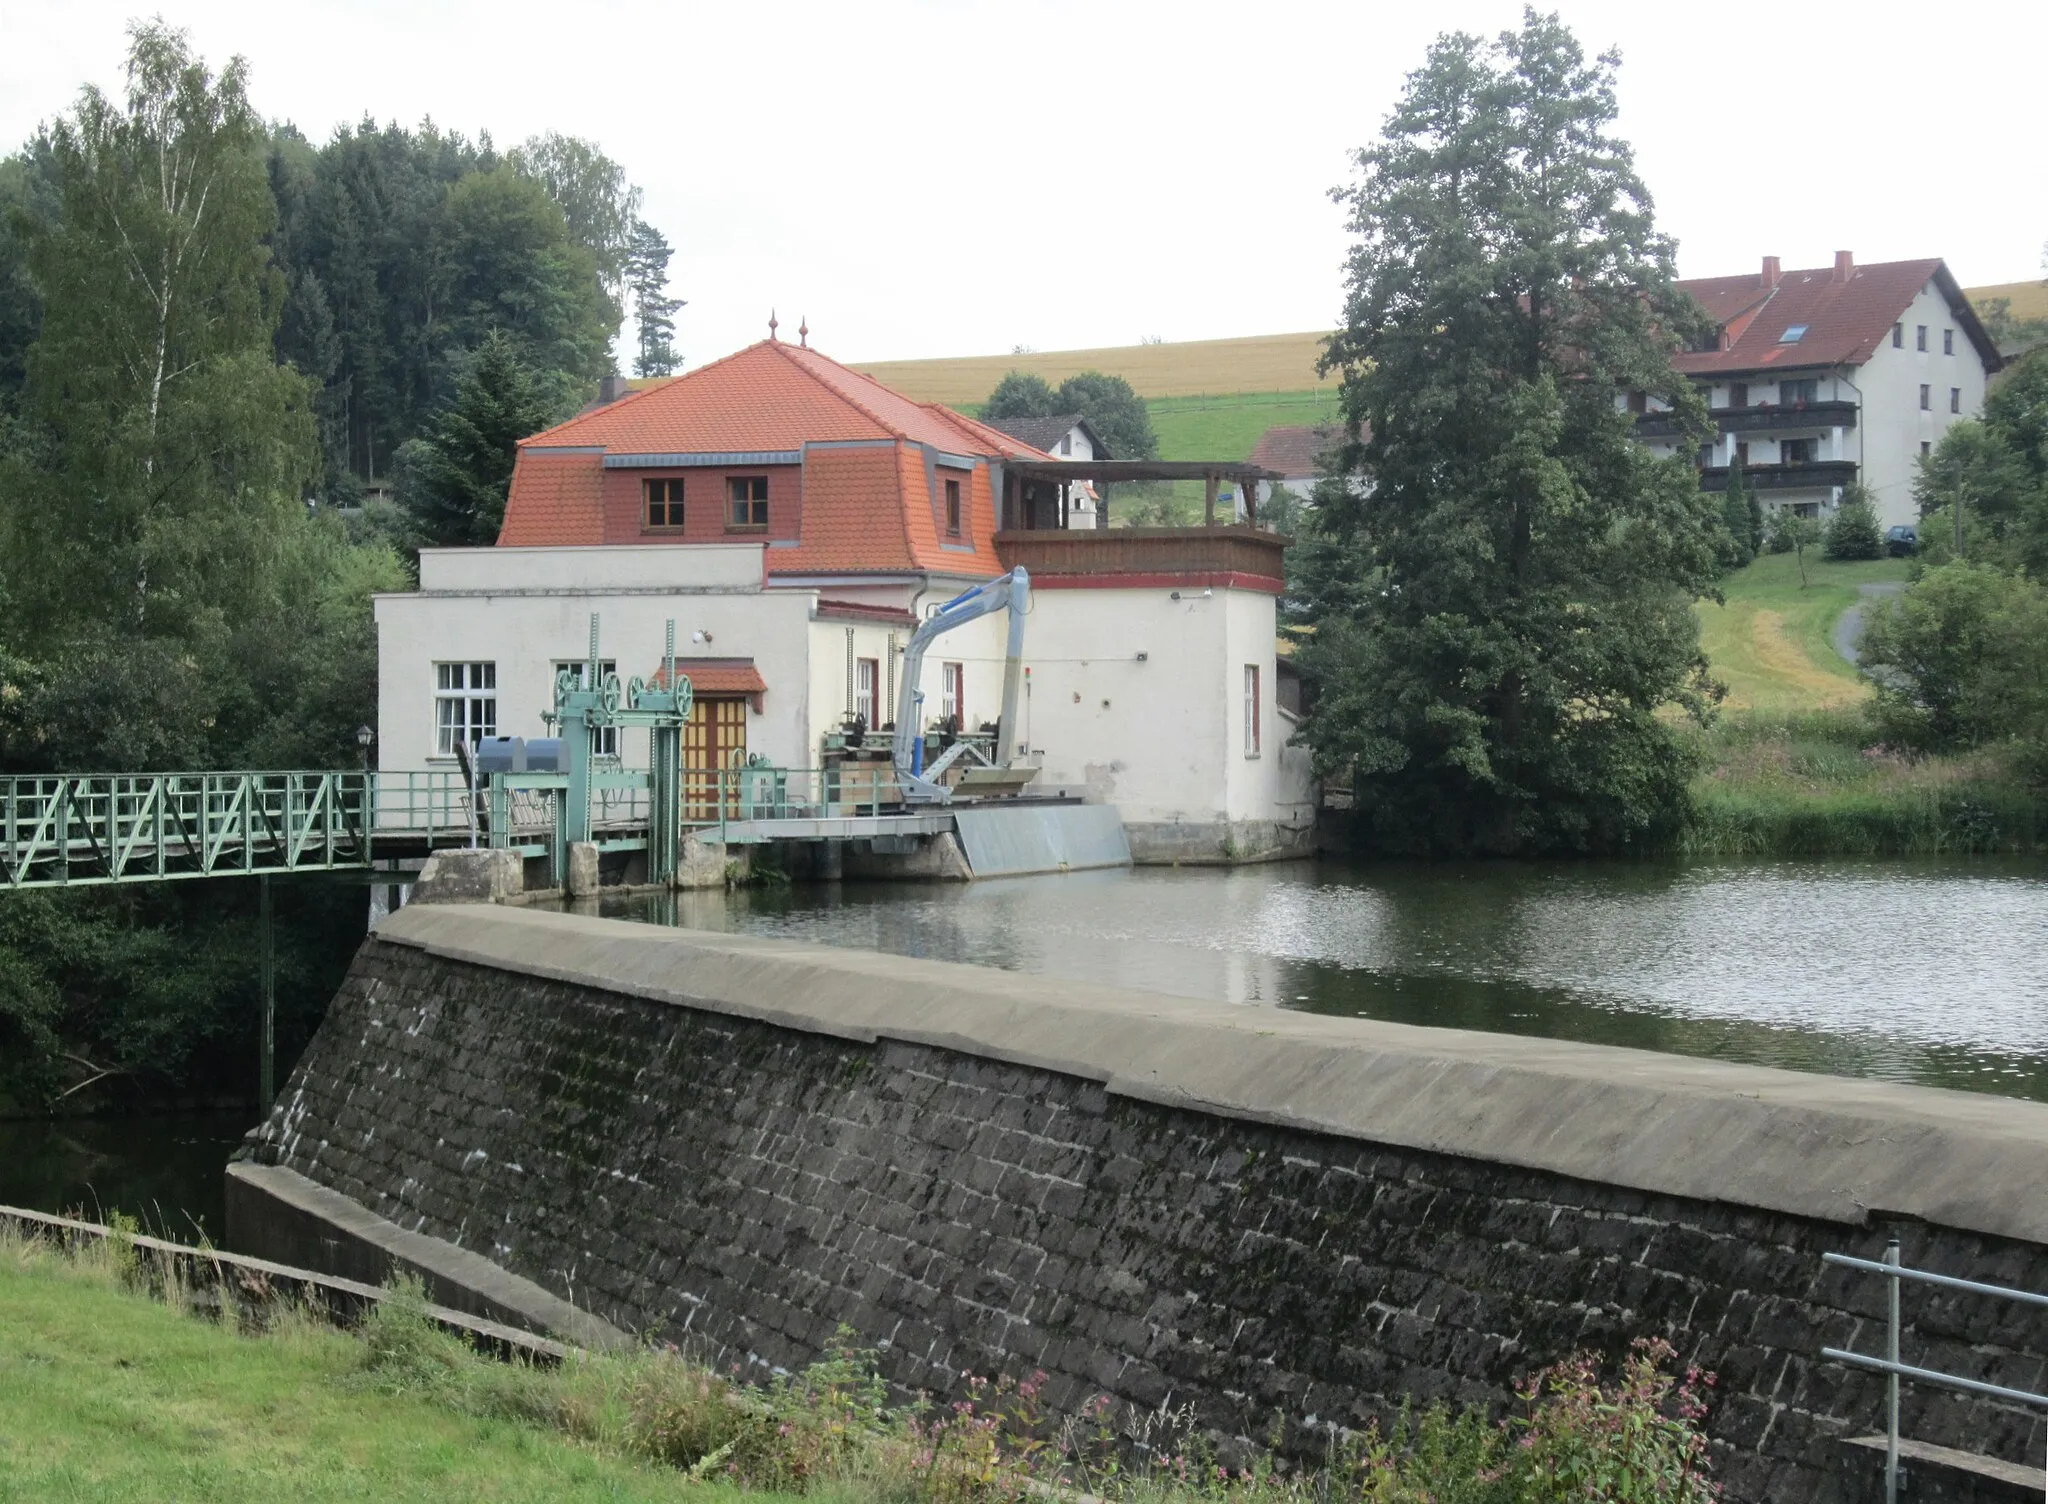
(1893, 1273)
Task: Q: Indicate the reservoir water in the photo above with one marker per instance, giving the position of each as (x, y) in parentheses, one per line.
(1927, 971)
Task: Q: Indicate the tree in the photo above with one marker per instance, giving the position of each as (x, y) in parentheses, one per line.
(455, 477)
(1853, 532)
(1961, 659)
(1736, 516)
(1983, 492)
(1020, 395)
(167, 452)
(654, 311)
(166, 598)
(516, 271)
(1503, 592)
(1114, 410)
(29, 208)
(1795, 535)
(600, 208)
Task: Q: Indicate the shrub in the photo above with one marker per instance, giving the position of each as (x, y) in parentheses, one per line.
(1638, 1440)
(1853, 532)
(1961, 659)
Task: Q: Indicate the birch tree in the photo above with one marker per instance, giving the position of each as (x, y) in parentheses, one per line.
(166, 451)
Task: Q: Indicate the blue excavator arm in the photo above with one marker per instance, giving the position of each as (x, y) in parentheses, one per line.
(1012, 592)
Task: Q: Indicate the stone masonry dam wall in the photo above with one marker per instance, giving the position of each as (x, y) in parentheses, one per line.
(748, 1143)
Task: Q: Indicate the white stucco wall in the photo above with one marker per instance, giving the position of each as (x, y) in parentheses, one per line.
(1162, 738)
(525, 620)
(1894, 426)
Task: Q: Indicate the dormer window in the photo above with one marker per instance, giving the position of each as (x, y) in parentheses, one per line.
(748, 497)
(952, 509)
(665, 503)
(1793, 334)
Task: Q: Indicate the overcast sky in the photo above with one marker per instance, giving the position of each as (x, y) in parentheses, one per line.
(939, 177)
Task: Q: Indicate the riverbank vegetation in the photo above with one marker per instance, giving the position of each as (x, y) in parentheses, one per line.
(108, 1393)
(220, 345)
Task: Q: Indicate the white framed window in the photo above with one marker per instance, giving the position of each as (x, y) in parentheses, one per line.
(866, 674)
(465, 705)
(953, 698)
(1948, 342)
(607, 736)
(1251, 710)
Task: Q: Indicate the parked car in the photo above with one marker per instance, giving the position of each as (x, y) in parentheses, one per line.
(1901, 541)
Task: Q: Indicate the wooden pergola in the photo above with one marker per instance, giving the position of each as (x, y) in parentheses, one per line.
(1020, 477)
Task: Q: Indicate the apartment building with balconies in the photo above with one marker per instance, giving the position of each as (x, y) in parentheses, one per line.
(1818, 378)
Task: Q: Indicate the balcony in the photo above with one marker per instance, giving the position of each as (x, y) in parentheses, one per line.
(1813, 476)
(1199, 555)
(1808, 416)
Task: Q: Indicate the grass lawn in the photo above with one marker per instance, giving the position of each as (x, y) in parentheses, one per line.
(1772, 643)
(107, 1395)
(1229, 427)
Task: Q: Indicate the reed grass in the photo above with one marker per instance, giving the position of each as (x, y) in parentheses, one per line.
(1819, 784)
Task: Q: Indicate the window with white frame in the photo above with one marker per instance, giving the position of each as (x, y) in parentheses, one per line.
(1251, 710)
(866, 674)
(953, 698)
(607, 736)
(465, 705)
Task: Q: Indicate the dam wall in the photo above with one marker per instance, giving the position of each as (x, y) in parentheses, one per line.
(747, 1144)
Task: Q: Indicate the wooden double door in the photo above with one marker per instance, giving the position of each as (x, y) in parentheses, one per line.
(714, 741)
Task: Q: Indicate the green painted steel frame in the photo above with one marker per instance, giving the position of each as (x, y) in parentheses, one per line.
(71, 830)
(585, 706)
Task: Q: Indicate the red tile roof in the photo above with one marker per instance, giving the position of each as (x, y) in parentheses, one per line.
(560, 501)
(715, 676)
(864, 509)
(1846, 318)
(888, 616)
(1294, 451)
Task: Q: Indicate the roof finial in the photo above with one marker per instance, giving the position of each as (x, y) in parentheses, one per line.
(803, 334)
(772, 326)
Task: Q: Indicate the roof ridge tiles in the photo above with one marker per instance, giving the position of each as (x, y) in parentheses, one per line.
(844, 396)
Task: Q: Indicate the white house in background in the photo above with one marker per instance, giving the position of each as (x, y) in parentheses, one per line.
(796, 520)
(1065, 436)
(1819, 378)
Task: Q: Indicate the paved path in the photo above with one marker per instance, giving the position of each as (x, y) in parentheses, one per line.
(1849, 625)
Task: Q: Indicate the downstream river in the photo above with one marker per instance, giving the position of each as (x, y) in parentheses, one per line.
(1926, 971)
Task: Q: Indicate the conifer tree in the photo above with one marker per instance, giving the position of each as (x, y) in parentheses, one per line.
(654, 311)
(454, 478)
(1738, 514)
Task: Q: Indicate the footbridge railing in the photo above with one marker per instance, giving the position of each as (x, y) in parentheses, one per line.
(74, 829)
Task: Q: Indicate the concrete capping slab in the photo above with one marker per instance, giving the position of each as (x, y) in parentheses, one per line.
(1945, 1473)
(271, 1207)
(1840, 1150)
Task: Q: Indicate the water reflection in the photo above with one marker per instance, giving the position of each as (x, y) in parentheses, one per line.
(165, 1171)
(1935, 972)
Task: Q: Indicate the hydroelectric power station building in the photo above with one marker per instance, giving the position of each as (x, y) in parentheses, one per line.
(797, 520)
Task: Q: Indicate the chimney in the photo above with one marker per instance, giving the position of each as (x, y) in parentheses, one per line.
(1845, 266)
(1772, 272)
(611, 389)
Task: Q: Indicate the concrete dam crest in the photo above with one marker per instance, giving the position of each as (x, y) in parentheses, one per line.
(566, 1120)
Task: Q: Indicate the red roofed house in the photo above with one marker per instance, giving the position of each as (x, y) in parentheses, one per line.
(797, 520)
(1837, 374)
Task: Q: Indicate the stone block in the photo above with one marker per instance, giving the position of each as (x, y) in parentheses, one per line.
(583, 869)
(479, 875)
